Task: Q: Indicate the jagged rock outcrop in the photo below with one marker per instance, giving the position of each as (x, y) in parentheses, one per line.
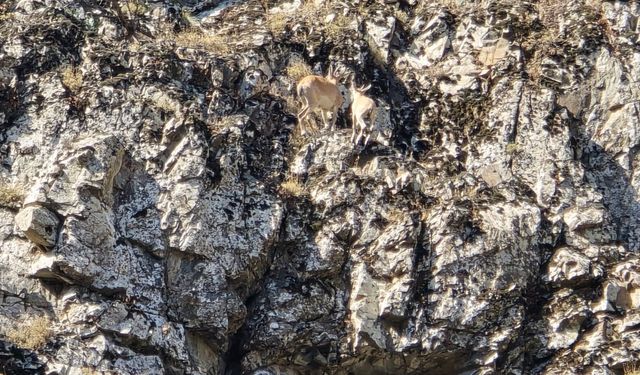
(159, 205)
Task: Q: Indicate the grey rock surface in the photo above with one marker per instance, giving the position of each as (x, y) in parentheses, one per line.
(159, 204)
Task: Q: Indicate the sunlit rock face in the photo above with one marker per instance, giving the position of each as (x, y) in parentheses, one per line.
(162, 210)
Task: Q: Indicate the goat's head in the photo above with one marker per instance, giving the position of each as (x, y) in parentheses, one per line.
(355, 90)
(334, 76)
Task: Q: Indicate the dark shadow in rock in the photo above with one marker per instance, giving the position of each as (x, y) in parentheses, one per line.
(17, 361)
(604, 173)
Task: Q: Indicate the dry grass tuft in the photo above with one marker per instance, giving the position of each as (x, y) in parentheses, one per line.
(298, 69)
(11, 195)
(548, 11)
(164, 103)
(189, 19)
(90, 371)
(631, 369)
(512, 148)
(292, 187)
(312, 15)
(133, 8)
(134, 46)
(291, 105)
(194, 38)
(72, 79)
(453, 6)
(297, 139)
(308, 11)
(402, 17)
(32, 334)
(5, 15)
(277, 22)
(337, 27)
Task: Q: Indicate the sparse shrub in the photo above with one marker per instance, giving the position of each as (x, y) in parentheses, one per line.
(312, 15)
(194, 38)
(336, 28)
(277, 22)
(32, 334)
(133, 8)
(291, 105)
(395, 215)
(308, 11)
(454, 6)
(298, 69)
(402, 16)
(189, 19)
(376, 53)
(5, 15)
(548, 10)
(134, 46)
(72, 79)
(11, 195)
(631, 369)
(164, 103)
(292, 187)
(90, 371)
(512, 148)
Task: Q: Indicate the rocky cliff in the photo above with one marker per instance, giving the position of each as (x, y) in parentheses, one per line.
(162, 212)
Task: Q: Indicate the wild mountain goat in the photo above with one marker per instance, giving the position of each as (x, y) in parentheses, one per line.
(362, 107)
(322, 93)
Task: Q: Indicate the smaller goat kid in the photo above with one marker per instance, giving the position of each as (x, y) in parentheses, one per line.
(322, 93)
(362, 107)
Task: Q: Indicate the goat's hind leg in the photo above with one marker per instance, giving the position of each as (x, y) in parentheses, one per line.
(363, 129)
(374, 128)
(323, 113)
(302, 115)
(334, 118)
(354, 125)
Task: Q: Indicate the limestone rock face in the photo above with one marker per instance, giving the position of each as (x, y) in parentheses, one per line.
(160, 206)
(38, 224)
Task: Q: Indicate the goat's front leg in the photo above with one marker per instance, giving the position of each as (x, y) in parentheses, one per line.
(334, 117)
(354, 125)
(324, 118)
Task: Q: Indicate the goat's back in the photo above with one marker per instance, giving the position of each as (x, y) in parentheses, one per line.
(319, 92)
(362, 105)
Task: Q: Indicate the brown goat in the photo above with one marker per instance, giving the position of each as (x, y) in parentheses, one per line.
(322, 93)
(362, 107)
